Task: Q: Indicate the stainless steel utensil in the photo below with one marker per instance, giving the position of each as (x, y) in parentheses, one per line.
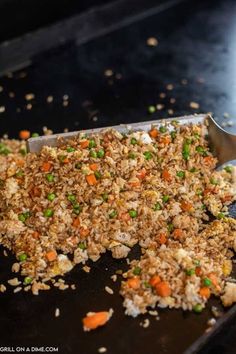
(223, 144)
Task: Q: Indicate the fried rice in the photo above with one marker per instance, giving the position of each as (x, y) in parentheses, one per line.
(109, 191)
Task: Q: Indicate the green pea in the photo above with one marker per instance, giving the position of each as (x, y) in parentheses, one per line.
(27, 280)
(228, 169)
(173, 134)
(105, 197)
(24, 216)
(147, 155)
(157, 206)
(113, 214)
(78, 165)
(163, 129)
(98, 174)
(165, 198)
(151, 109)
(137, 271)
(133, 141)
(48, 213)
(4, 150)
(62, 158)
(93, 154)
(180, 174)
(220, 216)
(77, 208)
(50, 177)
(213, 181)
(170, 227)
(51, 196)
(34, 135)
(92, 143)
(201, 150)
(23, 152)
(193, 169)
(70, 149)
(133, 213)
(196, 135)
(186, 150)
(190, 272)
(207, 282)
(71, 198)
(22, 257)
(21, 217)
(19, 174)
(27, 214)
(100, 153)
(199, 192)
(131, 155)
(197, 308)
(189, 141)
(82, 246)
(146, 284)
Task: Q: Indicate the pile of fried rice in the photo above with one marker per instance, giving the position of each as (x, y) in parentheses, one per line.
(110, 191)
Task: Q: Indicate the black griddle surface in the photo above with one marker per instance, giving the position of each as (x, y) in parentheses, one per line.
(196, 40)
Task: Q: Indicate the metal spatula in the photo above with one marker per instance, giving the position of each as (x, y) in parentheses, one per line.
(223, 144)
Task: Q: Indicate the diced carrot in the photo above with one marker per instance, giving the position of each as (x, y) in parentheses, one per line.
(46, 166)
(142, 173)
(66, 160)
(226, 198)
(95, 320)
(177, 233)
(162, 238)
(186, 206)
(93, 166)
(84, 232)
(163, 289)
(213, 279)
(165, 140)
(125, 217)
(106, 138)
(134, 183)
(207, 191)
(205, 292)
(24, 134)
(84, 144)
(153, 133)
(155, 279)
(20, 162)
(166, 175)
(73, 240)
(51, 256)
(76, 222)
(35, 192)
(91, 179)
(35, 234)
(208, 160)
(198, 271)
(133, 283)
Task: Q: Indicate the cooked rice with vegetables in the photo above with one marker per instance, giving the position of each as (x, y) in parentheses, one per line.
(110, 191)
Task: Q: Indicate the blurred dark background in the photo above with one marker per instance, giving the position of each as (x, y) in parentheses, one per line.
(91, 63)
(18, 17)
